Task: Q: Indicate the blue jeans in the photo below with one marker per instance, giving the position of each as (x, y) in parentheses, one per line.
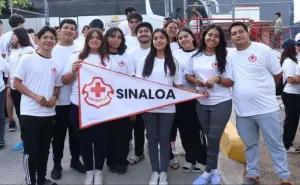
(271, 128)
(2, 117)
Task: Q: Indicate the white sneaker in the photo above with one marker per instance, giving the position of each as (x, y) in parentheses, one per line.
(154, 179)
(89, 179)
(293, 150)
(98, 179)
(163, 178)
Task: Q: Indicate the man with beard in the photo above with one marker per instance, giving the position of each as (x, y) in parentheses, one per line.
(61, 54)
(143, 32)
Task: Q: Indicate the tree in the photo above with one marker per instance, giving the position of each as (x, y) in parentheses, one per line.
(5, 4)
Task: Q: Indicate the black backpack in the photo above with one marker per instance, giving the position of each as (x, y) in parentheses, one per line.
(280, 86)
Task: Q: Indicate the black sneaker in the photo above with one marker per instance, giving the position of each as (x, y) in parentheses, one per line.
(47, 182)
(113, 169)
(12, 126)
(122, 169)
(56, 172)
(77, 165)
(2, 146)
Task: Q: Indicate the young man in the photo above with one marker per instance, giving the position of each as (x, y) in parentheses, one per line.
(61, 54)
(255, 67)
(15, 21)
(143, 33)
(278, 31)
(124, 24)
(37, 79)
(133, 20)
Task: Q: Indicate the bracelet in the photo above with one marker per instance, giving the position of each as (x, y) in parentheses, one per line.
(56, 95)
(220, 79)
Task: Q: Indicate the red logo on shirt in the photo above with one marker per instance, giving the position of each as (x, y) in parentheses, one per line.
(252, 58)
(54, 71)
(122, 63)
(215, 65)
(98, 93)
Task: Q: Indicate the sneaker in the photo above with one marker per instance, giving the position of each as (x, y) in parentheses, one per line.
(122, 169)
(154, 179)
(12, 126)
(163, 178)
(215, 178)
(203, 179)
(98, 178)
(285, 182)
(2, 146)
(18, 146)
(77, 165)
(251, 181)
(113, 169)
(293, 150)
(56, 172)
(89, 179)
(48, 182)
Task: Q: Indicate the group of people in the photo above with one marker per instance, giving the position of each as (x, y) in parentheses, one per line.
(43, 84)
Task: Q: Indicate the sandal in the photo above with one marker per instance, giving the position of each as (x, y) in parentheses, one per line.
(174, 164)
(187, 167)
(198, 168)
(136, 159)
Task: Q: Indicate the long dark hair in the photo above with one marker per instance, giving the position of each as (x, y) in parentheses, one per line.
(289, 52)
(169, 61)
(189, 32)
(86, 50)
(166, 26)
(23, 37)
(111, 32)
(221, 51)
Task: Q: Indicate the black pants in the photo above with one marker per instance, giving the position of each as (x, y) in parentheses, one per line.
(37, 135)
(192, 136)
(62, 124)
(173, 137)
(93, 141)
(118, 142)
(292, 111)
(16, 98)
(139, 135)
(5, 109)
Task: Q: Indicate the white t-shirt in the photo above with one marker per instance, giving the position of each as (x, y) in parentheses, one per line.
(39, 74)
(61, 55)
(80, 42)
(298, 57)
(289, 68)
(4, 68)
(5, 43)
(254, 86)
(205, 67)
(174, 46)
(136, 54)
(182, 58)
(91, 59)
(131, 42)
(158, 75)
(14, 59)
(125, 27)
(121, 64)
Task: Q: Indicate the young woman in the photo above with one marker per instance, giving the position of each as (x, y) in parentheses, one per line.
(93, 140)
(209, 70)
(119, 130)
(172, 27)
(191, 133)
(4, 69)
(159, 66)
(22, 46)
(290, 95)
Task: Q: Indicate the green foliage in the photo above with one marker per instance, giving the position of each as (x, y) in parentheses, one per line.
(16, 3)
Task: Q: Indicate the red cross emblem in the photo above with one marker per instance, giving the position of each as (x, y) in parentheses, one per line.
(252, 58)
(215, 65)
(122, 63)
(54, 71)
(97, 93)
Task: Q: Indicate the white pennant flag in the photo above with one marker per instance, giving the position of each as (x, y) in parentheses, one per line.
(106, 95)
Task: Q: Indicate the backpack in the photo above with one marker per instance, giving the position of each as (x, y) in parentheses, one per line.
(280, 86)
